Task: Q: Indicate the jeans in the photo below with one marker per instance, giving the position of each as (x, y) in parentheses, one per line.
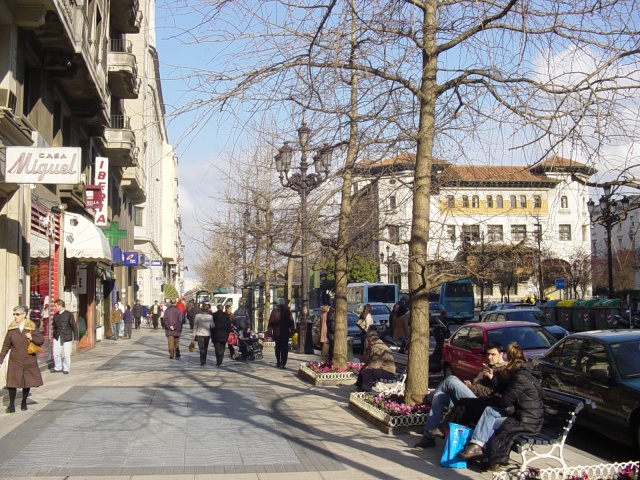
(447, 394)
(116, 330)
(137, 322)
(491, 420)
(203, 346)
(65, 363)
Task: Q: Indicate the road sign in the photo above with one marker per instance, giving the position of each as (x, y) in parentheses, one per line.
(560, 284)
(156, 263)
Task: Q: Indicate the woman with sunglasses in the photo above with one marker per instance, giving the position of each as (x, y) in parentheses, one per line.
(23, 368)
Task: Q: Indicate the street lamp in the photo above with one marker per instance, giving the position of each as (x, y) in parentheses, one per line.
(612, 212)
(303, 183)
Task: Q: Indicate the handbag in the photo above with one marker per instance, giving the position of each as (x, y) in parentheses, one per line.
(232, 339)
(456, 441)
(32, 348)
(362, 324)
(192, 346)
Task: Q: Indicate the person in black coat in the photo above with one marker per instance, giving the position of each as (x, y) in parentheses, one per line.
(64, 331)
(220, 333)
(281, 328)
(520, 410)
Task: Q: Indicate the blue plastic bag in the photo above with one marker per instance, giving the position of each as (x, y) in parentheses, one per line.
(456, 441)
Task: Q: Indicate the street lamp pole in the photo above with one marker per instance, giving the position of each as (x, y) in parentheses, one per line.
(612, 212)
(303, 183)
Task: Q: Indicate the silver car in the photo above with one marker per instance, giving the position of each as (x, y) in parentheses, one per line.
(379, 312)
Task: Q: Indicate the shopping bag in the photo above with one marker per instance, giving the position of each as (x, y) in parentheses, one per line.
(456, 441)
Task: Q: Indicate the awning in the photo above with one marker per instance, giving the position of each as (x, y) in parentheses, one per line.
(40, 247)
(85, 241)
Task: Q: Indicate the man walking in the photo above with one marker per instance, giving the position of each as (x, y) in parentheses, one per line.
(64, 331)
(242, 317)
(155, 313)
(137, 314)
(173, 328)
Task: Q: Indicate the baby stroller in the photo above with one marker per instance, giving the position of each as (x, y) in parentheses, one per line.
(248, 346)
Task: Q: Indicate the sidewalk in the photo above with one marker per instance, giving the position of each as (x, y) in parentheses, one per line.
(127, 411)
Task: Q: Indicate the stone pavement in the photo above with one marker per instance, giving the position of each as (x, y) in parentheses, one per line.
(127, 411)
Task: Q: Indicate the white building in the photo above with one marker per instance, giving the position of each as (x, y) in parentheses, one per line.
(545, 204)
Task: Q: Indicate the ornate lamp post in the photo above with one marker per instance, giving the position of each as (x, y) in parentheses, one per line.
(612, 212)
(303, 183)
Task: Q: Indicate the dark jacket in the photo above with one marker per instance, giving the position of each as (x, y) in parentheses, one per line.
(127, 316)
(281, 323)
(522, 404)
(221, 327)
(137, 310)
(172, 317)
(64, 327)
(22, 370)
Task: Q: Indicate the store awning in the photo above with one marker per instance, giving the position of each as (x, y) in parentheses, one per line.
(40, 247)
(84, 241)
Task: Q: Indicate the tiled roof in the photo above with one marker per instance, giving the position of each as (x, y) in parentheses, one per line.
(482, 174)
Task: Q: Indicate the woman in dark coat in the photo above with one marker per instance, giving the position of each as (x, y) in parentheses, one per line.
(520, 410)
(23, 368)
(220, 333)
(281, 328)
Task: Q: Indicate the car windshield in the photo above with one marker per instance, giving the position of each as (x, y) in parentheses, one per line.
(435, 306)
(528, 338)
(531, 316)
(627, 357)
(379, 310)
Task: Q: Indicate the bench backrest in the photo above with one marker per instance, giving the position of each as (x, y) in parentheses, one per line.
(560, 412)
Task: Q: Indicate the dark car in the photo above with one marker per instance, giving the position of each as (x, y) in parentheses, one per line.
(526, 315)
(352, 330)
(507, 306)
(463, 353)
(602, 366)
(436, 310)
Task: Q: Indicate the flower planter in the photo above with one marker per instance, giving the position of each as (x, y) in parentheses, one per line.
(604, 471)
(327, 379)
(389, 424)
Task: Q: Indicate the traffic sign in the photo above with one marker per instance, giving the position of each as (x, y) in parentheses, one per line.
(560, 284)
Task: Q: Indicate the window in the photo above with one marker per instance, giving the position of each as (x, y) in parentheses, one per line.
(537, 201)
(513, 201)
(465, 201)
(475, 201)
(537, 231)
(137, 216)
(471, 233)
(395, 274)
(523, 201)
(451, 233)
(460, 338)
(499, 203)
(451, 202)
(495, 233)
(564, 202)
(565, 233)
(392, 202)
(393, 231)
(518, 232)
(489, 201)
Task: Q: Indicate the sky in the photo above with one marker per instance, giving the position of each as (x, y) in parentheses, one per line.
(202, 149)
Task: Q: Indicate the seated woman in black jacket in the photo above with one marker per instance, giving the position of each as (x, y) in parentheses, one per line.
(520, 410)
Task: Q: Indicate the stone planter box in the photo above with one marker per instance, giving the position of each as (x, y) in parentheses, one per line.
(606, 471)
(386, 423)
(326, 379)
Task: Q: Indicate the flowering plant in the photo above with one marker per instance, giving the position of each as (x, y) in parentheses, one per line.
(394, 405)
(327, 367)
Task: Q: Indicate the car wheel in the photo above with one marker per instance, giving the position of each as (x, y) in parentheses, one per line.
(448, 371)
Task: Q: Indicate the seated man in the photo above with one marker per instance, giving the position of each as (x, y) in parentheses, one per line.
(452, 389)
(378, 363)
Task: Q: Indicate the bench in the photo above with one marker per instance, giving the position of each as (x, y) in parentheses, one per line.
(560, 411)
(395, 385)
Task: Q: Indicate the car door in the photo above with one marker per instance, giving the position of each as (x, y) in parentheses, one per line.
(559, 366)
(455, 349)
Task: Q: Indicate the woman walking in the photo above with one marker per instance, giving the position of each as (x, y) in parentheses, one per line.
(127, 316)
(23, 368)
(220, 333)
(202, 324)
(281, 328)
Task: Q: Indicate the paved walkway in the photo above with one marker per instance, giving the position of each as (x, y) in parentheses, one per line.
(127, 411)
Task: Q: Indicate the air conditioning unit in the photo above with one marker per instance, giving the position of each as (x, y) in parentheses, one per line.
(8, 100)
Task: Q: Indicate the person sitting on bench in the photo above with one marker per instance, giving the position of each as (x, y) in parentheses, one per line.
(378, 363)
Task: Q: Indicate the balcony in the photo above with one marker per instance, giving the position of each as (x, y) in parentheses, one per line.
(134, 181)
(12, 128)
(126, 15)
(123, 69)
(120, 143)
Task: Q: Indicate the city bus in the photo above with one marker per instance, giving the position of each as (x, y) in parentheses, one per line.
(374, 292)
(457, 299)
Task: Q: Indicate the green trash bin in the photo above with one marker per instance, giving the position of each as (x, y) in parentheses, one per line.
(584, 315)
(565, 314)
(349, 349)
(606, 310)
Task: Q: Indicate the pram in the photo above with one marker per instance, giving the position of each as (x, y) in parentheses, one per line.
(247, 347)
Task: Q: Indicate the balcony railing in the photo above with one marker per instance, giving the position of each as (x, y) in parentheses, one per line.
(119, 45)
(120, 122)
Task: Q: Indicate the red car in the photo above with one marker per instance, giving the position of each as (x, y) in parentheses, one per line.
(463, 353)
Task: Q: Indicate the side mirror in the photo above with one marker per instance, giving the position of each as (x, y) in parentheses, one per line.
(599, 374)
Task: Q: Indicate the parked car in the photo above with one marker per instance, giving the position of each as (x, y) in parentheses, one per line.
(506, 306)
(604, 367)
(463, 353)
(380, 313)
(436, 310)
(352, 330)
(533, 315)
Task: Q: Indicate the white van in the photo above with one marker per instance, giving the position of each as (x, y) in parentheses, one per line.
(225, 299)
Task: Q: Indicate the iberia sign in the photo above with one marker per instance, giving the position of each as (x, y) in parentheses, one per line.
(52, 165)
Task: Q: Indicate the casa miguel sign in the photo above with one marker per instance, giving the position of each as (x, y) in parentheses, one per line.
(52, 165)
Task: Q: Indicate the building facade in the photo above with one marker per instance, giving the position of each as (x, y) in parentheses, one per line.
(543, 206)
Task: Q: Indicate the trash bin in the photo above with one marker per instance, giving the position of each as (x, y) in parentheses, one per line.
(584, 315)
(549, 310)
(565, 314)
(606, 310)
(349, 349)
